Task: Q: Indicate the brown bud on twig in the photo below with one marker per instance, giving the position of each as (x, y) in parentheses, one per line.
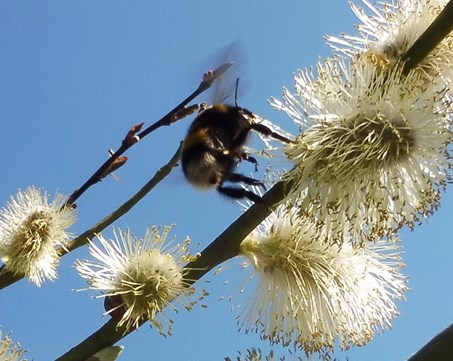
(116, 164)
(131, 136)
(186, 111)
(211, 75)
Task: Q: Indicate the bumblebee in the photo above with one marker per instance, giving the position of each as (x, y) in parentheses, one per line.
(214, 146)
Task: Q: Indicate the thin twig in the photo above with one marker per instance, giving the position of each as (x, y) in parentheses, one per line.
(125, 207)
(168, 119)
(205, 84)
(7, 278)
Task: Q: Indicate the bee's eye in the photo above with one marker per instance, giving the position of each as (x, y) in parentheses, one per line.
(213, 180)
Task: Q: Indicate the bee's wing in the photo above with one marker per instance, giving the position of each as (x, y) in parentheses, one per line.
(224, 88)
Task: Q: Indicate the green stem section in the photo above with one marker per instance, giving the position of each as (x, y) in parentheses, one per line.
(439, 348)
(106, 336)
(432, 36)
(226, 245)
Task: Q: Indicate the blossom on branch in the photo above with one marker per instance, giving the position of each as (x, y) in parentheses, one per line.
(373, 154)
(313, 295)
(388, 30)
(8, 352)
(139, 278)
(31, 230)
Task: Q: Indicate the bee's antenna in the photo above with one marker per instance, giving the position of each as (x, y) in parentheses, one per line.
(236, 93)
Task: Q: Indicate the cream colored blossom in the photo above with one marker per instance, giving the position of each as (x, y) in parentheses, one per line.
(373, 154)
(388, 30)
(142, 277)
(8, 351)
(313, 295)
(31, 230)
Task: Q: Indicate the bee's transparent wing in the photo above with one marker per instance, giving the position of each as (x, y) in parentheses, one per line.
(225, 87)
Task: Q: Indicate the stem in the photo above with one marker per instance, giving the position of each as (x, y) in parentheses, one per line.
(439, 348)
(106, 336)
(432, 36)
(226, 245)
(7, 278)
(168, 119)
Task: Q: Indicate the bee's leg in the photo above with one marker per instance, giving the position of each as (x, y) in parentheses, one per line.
(244, 156)
(260, 128)
(239, 178)
(240, 138)
(240, 193)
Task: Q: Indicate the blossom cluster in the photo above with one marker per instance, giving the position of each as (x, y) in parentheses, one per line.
(373, 155)
(388, 30)
(371, 158)
(310, 294)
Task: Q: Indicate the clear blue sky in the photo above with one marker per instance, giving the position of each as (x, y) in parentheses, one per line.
(75, 75)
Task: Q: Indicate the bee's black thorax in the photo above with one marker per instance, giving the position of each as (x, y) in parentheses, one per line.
(209, 149)
(226, 125)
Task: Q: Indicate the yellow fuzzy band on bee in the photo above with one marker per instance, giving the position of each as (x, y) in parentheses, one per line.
(196, 137)
(221, 108)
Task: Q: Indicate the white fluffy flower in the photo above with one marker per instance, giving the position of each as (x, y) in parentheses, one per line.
(388, 30)
(31, 230)
(373, 155)
(139, 278)
(312, 295)
(8, 352)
